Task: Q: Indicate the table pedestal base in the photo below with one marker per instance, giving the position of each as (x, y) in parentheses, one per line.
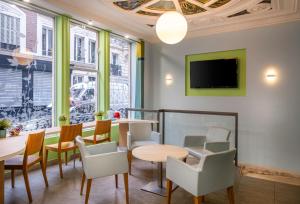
(153, 187)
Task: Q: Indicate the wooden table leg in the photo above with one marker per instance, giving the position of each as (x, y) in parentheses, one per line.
(1, 182)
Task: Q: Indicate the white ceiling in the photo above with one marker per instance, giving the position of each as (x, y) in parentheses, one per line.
(108, 16)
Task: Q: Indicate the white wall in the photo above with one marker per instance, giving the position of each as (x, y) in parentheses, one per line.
(269, 116)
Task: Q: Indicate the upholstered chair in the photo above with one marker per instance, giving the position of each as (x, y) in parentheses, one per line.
(102, 160)
(213, 173)
(140, 134)
(216, 140)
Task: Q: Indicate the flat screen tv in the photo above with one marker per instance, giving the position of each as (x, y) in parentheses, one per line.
(221, 73)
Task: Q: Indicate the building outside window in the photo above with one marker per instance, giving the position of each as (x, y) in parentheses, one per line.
(84, 71)
(9, 31)
(25, 82)
(79, 48)
(92, 51)
(47, 39)
(119, 74)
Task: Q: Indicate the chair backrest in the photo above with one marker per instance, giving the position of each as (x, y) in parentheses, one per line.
(140, 131)
(102, 127)
(218, 134)
(81, 145)
(34, 143)
(69, 132)
(217, 172)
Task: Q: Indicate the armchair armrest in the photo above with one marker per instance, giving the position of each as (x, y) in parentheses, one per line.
(191, 141)
(216, 146)
(107, 164)
(182, 174)
(129, 138)
(155, 136)
(101, 148)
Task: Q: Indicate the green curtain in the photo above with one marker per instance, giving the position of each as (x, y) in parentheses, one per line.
(139, 78)
(104, 71)
(62, 67)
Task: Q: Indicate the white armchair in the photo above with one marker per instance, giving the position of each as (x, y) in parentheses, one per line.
(216, 140)
(140, 134)
(213, 173)
(102, 160)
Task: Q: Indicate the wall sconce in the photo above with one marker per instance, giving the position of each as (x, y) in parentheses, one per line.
(271, 75)
(169, 79)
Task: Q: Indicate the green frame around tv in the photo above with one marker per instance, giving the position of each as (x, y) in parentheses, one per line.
(239, 54)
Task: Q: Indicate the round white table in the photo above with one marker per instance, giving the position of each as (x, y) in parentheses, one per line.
(158, 153)
(9, 147)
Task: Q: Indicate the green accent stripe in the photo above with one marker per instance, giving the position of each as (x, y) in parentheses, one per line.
(238, 54)
(104, 71)
(62, 66)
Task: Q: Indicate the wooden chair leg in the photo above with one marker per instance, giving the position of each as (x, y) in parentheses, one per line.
(169, 191)
(46, 159)
(88, 189)
(129, 157)
(125, 175)
(116, 180)
(44, 173)
(25, 174)
(198, 199)
(12, 178)
(60, 164)
(66, 158)
(82, 183)
(230, 194)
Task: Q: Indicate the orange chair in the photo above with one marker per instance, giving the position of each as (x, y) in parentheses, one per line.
(101, 134)
(34, 145)
(66, 143)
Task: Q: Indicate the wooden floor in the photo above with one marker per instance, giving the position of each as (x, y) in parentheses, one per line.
(63, 191)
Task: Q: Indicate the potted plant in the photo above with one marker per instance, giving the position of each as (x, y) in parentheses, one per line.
(62, 120)
(4, 124)
(99, 115)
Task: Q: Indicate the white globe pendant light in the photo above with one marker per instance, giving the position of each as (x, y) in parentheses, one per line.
(171, 27)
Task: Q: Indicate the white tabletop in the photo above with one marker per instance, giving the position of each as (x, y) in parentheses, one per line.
(11, 146)
(159, 152)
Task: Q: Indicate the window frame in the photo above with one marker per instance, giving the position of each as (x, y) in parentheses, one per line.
(47, 29)
(76, 49)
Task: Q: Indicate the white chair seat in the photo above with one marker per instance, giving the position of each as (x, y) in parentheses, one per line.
(198, 152)
(142, 143)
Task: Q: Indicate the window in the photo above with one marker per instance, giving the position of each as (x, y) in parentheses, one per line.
(79, 49)
(119, 75)
(47, 34)
(10, 32)
(25, 82)
(92, 51)
(83, 91)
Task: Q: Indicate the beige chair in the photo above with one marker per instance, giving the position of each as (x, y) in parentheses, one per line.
(140, 134)
(216, 140)
(102, 160)
(66, 143)
(33, 155)
(101, 133)
(213, 173)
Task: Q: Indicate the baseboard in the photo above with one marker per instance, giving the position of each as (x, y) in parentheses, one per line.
(271, 174)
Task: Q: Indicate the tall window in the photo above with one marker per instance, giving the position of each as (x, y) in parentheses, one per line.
(92, 51)
(79, 48)
(83, 91)
(119, 74)
(47, 34)
(25, 77)
(9, 31)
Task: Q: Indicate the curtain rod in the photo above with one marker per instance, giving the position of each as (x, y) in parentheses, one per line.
(52, 13)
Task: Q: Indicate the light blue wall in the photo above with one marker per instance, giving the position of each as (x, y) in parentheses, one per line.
(269, 126)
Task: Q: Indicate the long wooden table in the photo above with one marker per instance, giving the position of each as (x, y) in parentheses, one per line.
(11, 146)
